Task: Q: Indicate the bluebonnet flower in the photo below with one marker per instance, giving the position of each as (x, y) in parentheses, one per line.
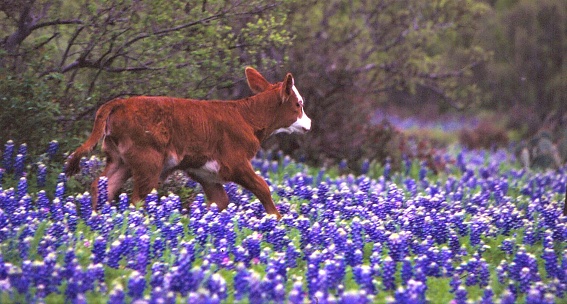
(502, 271)
(398, 245)
(117, 295)
(123, 202)
(7, 155)
(102, 189)
(530, 236)
(297, 295)
(99, 249)
(406, 271)
(356, 233)
(483, 273)
(60, 191)
(523, 260)
(157, 275)
(387, 169)
(241, 285)
(255, 291)
(22, 188)
(24, 247)
(158, 247)
(52, 149)
(388, 273)
(460, 295)
(18, 280)
(525, 279)
(2, 172)
(487, 296)
(182, 278)
(340, 240)
(508, 245)
(143, 253)
(23, 149)
(42, 203)
(136, 285)
(19, 165)
(95, 221)
(455, 282)
(355, 297)
(114, 254)
(413, 294)
(508, 297)
(335, 271)
(291, 255)
(85, 206)
(550, 261)
(363, 275)
(252, 245)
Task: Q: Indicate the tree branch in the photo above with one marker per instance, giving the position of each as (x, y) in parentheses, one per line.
(55, 22)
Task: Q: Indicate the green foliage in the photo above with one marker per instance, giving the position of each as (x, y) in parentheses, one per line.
(29, 110)
(529, 42)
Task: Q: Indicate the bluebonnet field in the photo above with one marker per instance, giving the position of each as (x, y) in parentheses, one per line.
(484, 231)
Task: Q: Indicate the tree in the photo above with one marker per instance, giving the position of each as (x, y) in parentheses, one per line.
(529, 70)
(351, 55)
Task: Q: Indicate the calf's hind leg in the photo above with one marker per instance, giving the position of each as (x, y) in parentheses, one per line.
(146, 166)
(214, 192)
(116, 173)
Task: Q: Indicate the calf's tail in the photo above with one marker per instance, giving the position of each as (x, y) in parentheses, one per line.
(73, 163)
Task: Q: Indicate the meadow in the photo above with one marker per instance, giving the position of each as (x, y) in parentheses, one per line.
(484, 231)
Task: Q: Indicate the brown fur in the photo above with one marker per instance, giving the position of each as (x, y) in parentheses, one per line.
(147, 138)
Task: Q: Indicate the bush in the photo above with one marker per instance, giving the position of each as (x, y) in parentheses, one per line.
(29, 111)
(486, 135)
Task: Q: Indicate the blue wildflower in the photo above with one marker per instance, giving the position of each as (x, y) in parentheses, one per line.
(388, 273)
(117, 295)
(7, 155)
(136, 285)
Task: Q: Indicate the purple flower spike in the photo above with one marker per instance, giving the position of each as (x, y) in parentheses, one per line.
(19, 165)
(99, 250)
(413, 294)
(117, 295)
(388, 273)
(297, 295)
(41, 175)
(136, 286)
(217, 286)
(460, 295)
(363, 276)
(102, 188)
(355, 297)
(114, 254)
(7, 155)
(487, 296)
(52, 149)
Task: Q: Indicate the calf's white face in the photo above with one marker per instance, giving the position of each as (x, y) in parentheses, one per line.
(303, 123)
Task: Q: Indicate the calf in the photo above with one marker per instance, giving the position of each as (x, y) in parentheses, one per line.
(147, 138)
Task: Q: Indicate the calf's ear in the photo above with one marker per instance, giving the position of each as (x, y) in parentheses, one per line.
(287, 87)
(256, 81)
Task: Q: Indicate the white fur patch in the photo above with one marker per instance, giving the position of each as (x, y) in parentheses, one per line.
(297, 95)
(211, 166)
(209, 172)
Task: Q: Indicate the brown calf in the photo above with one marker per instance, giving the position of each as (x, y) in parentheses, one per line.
(147, 138)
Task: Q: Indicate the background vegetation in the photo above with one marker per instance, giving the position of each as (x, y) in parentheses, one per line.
(60, 60)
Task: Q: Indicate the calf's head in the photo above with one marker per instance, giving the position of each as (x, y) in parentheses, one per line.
(289, 115)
